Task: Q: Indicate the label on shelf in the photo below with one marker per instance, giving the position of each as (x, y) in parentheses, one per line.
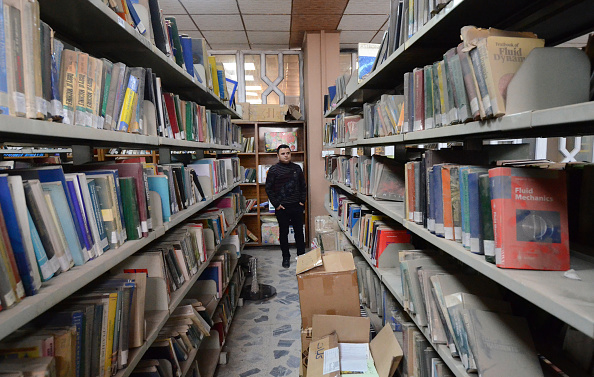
(121, 22)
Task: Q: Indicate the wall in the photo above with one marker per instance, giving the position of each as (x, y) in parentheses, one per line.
(321, 67)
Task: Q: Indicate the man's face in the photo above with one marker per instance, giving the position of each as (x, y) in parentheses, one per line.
(284, 155)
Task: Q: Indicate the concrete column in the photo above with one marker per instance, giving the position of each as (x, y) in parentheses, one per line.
(321, 67)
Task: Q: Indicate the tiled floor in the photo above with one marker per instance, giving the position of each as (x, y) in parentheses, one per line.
(264, 339)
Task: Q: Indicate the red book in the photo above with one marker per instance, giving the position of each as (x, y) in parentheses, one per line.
(171, 113)
(419, 91)
(390, 236)
(446, 194)
(410, 175)
(530, 218)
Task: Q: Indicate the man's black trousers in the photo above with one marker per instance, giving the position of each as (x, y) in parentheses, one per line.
(291, 215)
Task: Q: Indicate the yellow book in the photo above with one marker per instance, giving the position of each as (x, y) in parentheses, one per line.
(68, 82)
(212, 63)
(128, 106)
(113, 303)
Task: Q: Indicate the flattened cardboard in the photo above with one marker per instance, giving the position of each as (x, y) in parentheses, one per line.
(386, 352)
(309, 260)
(329, 289)
(348, 329)
(316, 356)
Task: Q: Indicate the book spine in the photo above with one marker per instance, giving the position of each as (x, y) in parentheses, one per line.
(456, 206)
(453, 110)
(448, 221)
(474, 212)
(107, 74)
(461, 98)
(418, 213)
(419, 102)
(480, 80)
(486, 217)
(126, 114)
(96, 209)
(436, 96)
(443, 93)
(437, 199)
(56, 106)
(488, 76)
(80, 114)
(79, 216)
(31, 59)
(497, 180)
(44, 266)
(430, 198)
(4, 99)
(428, 97)
(90, 93)
(470, 83)
(465, 208)
(16, 47)
(9, 260)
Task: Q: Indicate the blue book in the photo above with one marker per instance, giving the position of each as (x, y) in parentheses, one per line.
(16, 239)
(160, 185)
(3, 78)
(437, 202)
(116, 179)
(221, 77)
(65, 217)
(186, 43)
(474, 212)
(85, 235)
(45, 269)
(331, 94)
(210, 273)
(137, 21)
(46, 174)
(98, 215)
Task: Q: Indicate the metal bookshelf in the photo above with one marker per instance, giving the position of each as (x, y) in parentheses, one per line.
(98, 30)
(555, 22)
(569, 300)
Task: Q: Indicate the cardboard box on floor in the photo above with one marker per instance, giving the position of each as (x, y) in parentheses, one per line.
(385, 349)
(330, 288)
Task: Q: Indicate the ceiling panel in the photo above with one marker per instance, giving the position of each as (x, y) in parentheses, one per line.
(265, 6)
(269, 37)
(172, 7)
(184, 22)
(229, 46)
(218, 22)
(192, 33)
(211, 7)
(267, 22)
(368, 7)
(365, 22)
(227, 37)
(318, 7)
(378, 37)
(356, 36)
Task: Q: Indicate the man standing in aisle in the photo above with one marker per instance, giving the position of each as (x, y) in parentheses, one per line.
(285, 186)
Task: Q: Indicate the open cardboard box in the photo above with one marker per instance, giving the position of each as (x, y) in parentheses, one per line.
(329, 287)
(385, 350)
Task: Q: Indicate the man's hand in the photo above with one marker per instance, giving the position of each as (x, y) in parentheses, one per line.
(281, 206)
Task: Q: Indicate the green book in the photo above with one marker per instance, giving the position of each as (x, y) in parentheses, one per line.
(487, 235)
(177, 105)
(130, 203)
(428, 82)
(177, 48)
(456, 205)
(189, 121)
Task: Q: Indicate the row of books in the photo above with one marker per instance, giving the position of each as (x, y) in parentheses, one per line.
(60, 83)
(248, 144)
(467, 313)
(91, 333)
(52, 221)
(515, 214)
(372, 232)
(147, 17)
(249, 175)
(377, 176)
(470, 83)
(419, 357)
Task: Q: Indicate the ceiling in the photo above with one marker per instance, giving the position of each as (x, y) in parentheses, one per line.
(277, 24)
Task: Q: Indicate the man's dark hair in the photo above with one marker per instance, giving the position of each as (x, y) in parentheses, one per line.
(282, 146)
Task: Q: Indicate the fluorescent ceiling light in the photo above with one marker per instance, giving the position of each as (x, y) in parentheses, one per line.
(253, 87)
(250, 67)
(249, 77)
(255, 101)
(251, 94)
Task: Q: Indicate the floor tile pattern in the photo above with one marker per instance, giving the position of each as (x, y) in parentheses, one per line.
(264, 339)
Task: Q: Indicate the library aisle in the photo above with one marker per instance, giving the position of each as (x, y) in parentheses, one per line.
(264, 339)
